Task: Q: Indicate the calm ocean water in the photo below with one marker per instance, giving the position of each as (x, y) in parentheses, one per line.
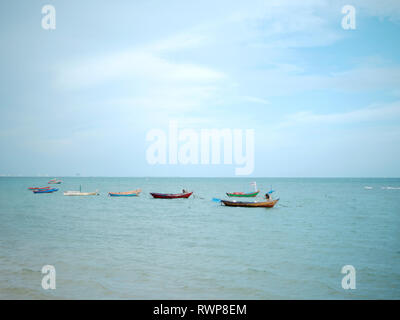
(144, 248)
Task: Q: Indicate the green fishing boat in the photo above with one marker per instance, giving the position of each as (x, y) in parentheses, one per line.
(243, 195)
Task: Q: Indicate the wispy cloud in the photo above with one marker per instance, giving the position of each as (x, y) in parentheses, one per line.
(141, 65)
(283, 80)
(255, 100)
(389, 9)
(373, 113)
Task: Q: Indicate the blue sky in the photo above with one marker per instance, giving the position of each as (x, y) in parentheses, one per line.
(323, 101)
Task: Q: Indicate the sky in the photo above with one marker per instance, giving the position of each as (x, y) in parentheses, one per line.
(322, 101)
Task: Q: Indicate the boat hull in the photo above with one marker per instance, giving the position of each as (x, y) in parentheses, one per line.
(54, 181)
(45, 191)
(39, 188)
(133, 193)
(263, 204)
(77, 193)
(122, 195)
(171, 195)
(243, 195)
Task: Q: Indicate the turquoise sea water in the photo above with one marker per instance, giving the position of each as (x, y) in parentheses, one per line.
(144, 248)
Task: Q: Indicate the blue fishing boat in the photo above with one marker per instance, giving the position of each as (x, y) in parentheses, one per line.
(133, 193)
(46, 190)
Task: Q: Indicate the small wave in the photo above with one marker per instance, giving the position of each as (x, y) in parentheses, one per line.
(29, 271)
(391, 188)
(368, 188)
(257, 271)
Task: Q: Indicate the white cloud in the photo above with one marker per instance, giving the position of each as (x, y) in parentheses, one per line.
(287, 24)
(185, 40)
(373, 113)
(141, 65)
(165, 85)
(255, 100)
(170, 98)
(366, 78)
(175, 81)
(383, 9)
(284, 80)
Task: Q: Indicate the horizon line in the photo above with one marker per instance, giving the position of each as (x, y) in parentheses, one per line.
(208, 177)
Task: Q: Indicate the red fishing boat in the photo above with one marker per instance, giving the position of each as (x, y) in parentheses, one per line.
(171, 195)
(38, 188)
(54, 181)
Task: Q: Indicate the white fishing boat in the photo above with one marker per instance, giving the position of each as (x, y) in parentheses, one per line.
(79, 193)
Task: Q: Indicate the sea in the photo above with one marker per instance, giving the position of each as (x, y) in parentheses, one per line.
(105, 247)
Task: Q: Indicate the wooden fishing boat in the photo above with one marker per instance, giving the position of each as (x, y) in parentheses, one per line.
(132, 193)
(171, 195)
(79, 193)
(54, 181)
(242, 194)
(265, 204)
(39, 188)
(45, 190)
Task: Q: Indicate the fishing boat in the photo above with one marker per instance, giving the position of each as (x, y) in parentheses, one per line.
(45, 190)
(132, 193)
(79, 193)
(265, 204)
(171, 195)
(54, 181)
(242, 194)
(38, 188)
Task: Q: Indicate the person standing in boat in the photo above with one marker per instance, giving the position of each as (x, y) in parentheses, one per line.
(267, 196)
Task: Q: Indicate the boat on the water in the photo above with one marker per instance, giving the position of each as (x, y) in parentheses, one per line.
(79, 193)
(54, 181)
(171, 195)
(132, 193)
(45, 190)
(38, 188)
(242, 194)
(265, 204)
